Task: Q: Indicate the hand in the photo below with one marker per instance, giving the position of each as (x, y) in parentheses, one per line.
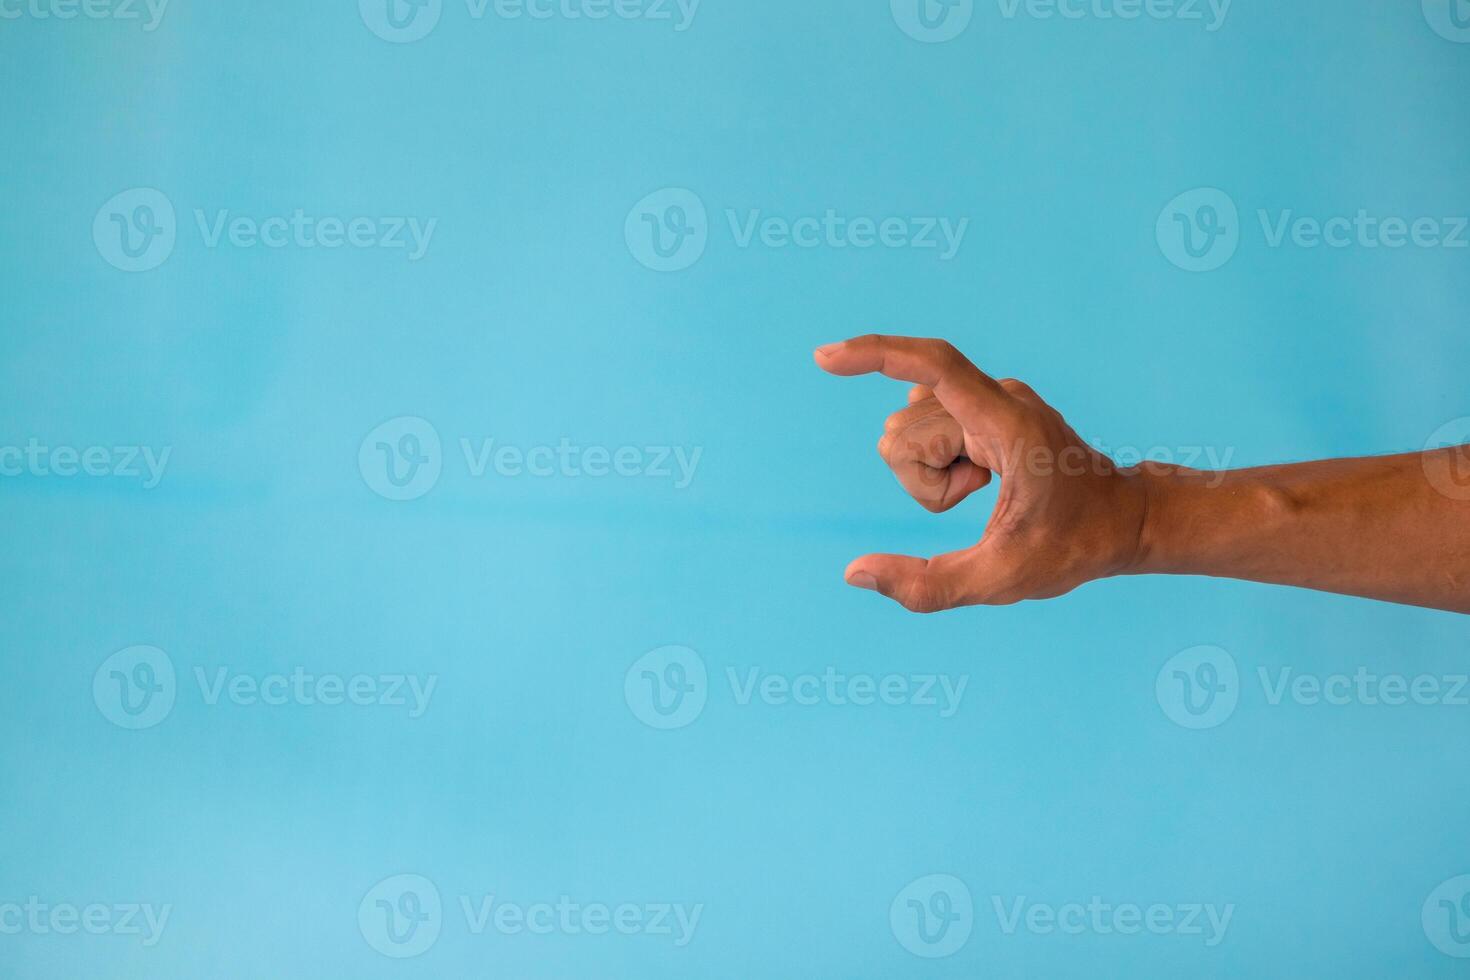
(1065, 513)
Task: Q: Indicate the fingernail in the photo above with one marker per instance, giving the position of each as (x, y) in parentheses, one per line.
(826, 349)
(863, 580)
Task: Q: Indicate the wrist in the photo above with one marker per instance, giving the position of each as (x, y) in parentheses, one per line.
(1134, 522)
(1212, 522)
(1167, 503)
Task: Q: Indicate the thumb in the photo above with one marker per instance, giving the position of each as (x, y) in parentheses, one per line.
(918, 584)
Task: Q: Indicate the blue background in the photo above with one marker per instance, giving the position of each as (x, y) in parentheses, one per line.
(529, 321)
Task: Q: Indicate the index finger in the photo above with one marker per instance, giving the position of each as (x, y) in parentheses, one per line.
(970, 395)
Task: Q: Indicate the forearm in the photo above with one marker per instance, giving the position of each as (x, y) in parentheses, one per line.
(1375, 527)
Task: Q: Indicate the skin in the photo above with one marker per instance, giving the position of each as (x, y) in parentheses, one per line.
(1381, 527)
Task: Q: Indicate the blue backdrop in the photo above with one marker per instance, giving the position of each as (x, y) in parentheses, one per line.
(424, 523)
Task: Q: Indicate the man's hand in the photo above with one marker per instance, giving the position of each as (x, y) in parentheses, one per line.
(1065, 514)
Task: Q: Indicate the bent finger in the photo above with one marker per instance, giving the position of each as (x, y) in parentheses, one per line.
(941, 489)
(970, 395)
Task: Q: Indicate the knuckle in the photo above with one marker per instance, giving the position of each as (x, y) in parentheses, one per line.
(1019, 389)
(923, 595)
(941, 449)
(916, 604)
(900, 447)
(945, 352)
